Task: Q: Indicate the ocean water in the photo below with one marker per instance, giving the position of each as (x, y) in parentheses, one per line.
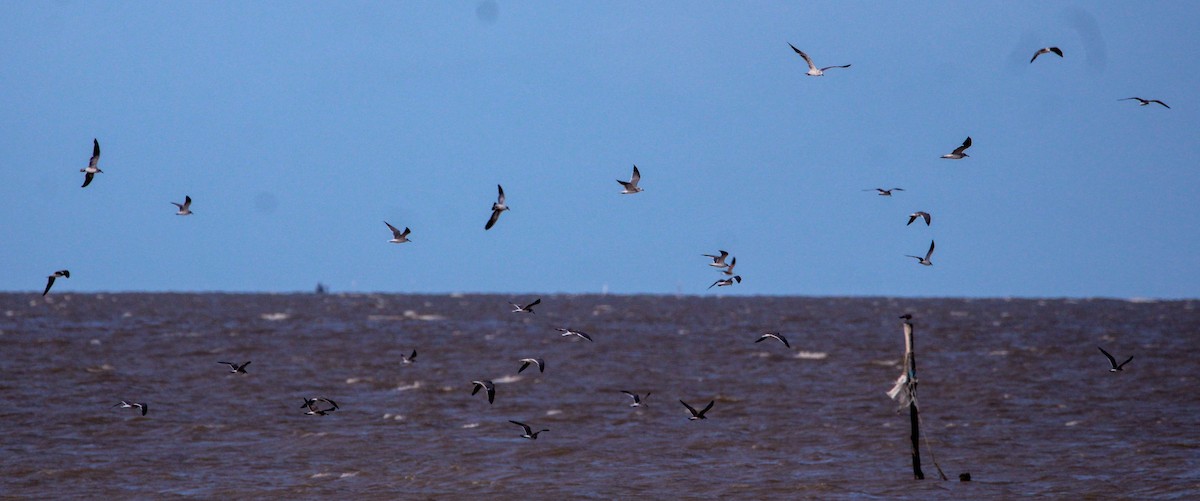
(1012, 391)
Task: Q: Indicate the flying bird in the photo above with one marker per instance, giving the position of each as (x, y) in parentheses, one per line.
(1046, 50)
(925, 260)
(729, 269)
(135, 405)
(1146, 101)
(773, 335)
(637, 401)
(885, 193)
(540, 363)
(409, 359)
(906, 316)
(718, 261)
(960, 151)
(631, 186)
(572, 332)
(481, 385)
(235, 368)
(92, 168)
(50, 279)
(527, 308)
(529, 433)
(813, 71)
(918, 214)
(497, 208)
(311, 404)
(1112, 361)
(398, 237)
(726, 282)
(697, 415)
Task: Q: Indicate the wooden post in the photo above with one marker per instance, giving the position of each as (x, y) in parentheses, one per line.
(910, 361)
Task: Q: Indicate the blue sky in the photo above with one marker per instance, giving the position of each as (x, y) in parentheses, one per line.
(299, 127)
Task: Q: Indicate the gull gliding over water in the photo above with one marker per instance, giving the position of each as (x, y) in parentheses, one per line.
(924, 260)
(718, 261)
(1146, 101)
(497, 208)
(637, 401)
(185, 209)
(697, 415)
(527, 308)
(631, 186)
(235, 368)
(540, 363)
(918, 214)
(485, 385)
(960, 151)
(398, 237)
(773, 335)
(529, 433)
(1113, 362)
(409, 359)
(311, 404)
(50, 279)
(572, 332)
(813, 71)
(92, 168)
(1046, 50)
(135, 405)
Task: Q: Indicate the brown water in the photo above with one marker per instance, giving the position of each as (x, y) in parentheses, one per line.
(1013, 391)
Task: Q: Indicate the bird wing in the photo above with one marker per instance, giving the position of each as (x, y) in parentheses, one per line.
(1160, 102)
(631, 394)
(87, 179)
(145, 408)
(1056, 50)
(491, 222)
(707, 407)
(1038, 53)
(187, 201)
(583, 335)
(715, 283)
(807, 59)
(689, 408)
(1112, 361)
(177, 205)
(830, 67)
(478, 386)
(1125, 362)
(413, 356)
(637, 176)
(783, 340)
(1128, 98)
(395, 232)
(523, 366)
(966, 144)
(534, 303)
(930, 253)
(95, 154)
(528, 430)
(500, 198)
(925, 216)
(49, 282)
(911, 218)
(491, 394)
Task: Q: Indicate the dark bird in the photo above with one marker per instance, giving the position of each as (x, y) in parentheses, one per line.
(773, 335)
(924, 260)
(726, 282)
(540, 363)
(529, 433)
(631, 186)
(697, 415)
(1146, 101)
(918, 214)
(566, 331)
(1046, 50)
(813, 71)
(527, 308)
(1112, 361)
(885, 193)
(185, 209)
(92, 168)
(311, 404)
(235, 368)
(960, 151)
(50, 279)
(491, 389)
(398, 237)
(718, 261)
(135, 405)
(497, 208)
(906, 316)
(637, 401)
(409, 359)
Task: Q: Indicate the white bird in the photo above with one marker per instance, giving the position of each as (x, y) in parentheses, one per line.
(1046, 50)
(637, 401)
(50, 279)
(718, 261)
(697, 415)
(540, 363)
(813, 71)
(409, 359)
(960, 151)
(135, 405)
(398, 237)
(631, 186)
(311, 404)
(497, 208)
(924, 260)
(185, 207)
(527, 308)
(1146, 101)
(726, 282)
(729, 269)
(918, 214)
(885, 193)
(773, 335)
(529, 433)
(92, 168)
(1112, 361)
(485, 385)
(571, 332)
(235, 368)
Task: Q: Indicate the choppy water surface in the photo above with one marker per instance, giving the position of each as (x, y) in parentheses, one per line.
(1013, 391)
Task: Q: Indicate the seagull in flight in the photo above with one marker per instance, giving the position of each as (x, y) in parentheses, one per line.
(409, 359)
(1112, 361)
(773, 335)
(1146, 101)
(1046, 50)
(885, 193)
(960, 151)
(697, 415)
(527, 308)
(918, 214)
(135, 405)
(529, 433)
(813, 71)
(485, 384)
(540, 363)
(235, 368)
(311, 403)
(637, 401)
(497, 208)
(92, 168)
(572, 332)
(925, 260)
(631, 186)
(50, 279)
(729, 269)
(398, 237)
(185, 209)
(726, 282)
(718, 261)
